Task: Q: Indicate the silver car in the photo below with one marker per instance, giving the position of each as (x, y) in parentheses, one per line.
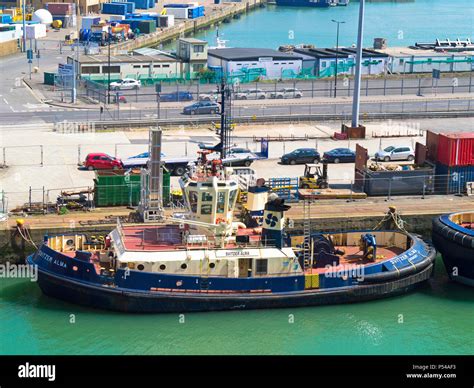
(395, 153)
(251, 94)
(286, 93)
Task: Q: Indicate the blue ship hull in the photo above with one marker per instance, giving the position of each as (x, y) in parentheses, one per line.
(456, 245)
(304, 3)
(76, 281)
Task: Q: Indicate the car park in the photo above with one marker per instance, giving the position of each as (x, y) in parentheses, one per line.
(202, 107)
(339, 155)
(126, 84)
(101, 161)
(301, 155)
(392, 153)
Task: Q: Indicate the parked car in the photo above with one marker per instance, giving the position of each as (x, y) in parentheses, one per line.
(340, 155)
(139, 160)
(202, 107)
(176, 96)
(301, 155)
(239, 150)
(101, 161)
(126, 84)
(250, 94)
(395, 153)
(208, 97)
(286, 93)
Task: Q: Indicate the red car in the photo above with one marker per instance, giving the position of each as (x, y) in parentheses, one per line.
(100, 161)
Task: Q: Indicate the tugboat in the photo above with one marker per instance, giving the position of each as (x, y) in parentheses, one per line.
(203, 260)
(453, 237)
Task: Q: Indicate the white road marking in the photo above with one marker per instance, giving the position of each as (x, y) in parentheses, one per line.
(5, 100)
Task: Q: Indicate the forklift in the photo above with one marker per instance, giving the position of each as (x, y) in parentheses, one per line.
(314, 177)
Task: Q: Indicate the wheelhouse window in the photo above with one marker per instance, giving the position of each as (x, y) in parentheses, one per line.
(199, 48)
(193, 200)
(206, 197)
(232, 198)
(206, 209)
(220, 202)
(261, 267)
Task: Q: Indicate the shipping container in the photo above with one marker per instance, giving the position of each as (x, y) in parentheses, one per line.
(432, 139)
(147, 26)
(166, 21)
(117, 18)
(5, 19)
(453, 179)
(405, 182)
(61, 8)
(89, 21)
(178, 13)
(456, 149)
(114, 8)
(193, 13)
(115, 188)
(140, 4)
(177, 5)
(130, 5)
(35, 31)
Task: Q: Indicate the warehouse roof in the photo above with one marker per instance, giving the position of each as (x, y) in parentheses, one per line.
(342, 52)
(103, 59)
(249, 54)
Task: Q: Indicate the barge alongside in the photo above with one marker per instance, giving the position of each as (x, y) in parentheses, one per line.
(202, 260)
(453, 237)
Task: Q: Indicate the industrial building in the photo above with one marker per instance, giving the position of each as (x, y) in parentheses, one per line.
(415, 60)
(159, 66)
(320, 62)
(262, 62)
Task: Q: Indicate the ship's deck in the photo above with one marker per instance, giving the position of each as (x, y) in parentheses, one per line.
(156, 238)
(353, 257)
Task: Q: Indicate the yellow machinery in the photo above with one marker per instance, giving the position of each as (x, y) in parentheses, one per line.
(314, 177)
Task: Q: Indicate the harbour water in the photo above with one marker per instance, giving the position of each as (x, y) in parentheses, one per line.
(436, 319)
(402, 24)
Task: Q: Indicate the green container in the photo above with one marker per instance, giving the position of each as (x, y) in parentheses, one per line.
(166, 187)
(147, 26)
(49, 78)
(114, 188)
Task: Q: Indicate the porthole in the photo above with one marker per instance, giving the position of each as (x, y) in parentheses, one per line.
(212, 265)
(140, 267)
(162, 267)
(70, 242)
(184, 266)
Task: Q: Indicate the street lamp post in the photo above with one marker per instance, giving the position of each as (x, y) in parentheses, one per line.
(337, 55)
(108, 84)
(358, 69)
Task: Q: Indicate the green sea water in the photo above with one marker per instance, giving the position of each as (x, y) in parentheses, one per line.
(401, 23)
(436, 319)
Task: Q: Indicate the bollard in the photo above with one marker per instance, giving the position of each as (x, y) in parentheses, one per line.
(41, 148)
